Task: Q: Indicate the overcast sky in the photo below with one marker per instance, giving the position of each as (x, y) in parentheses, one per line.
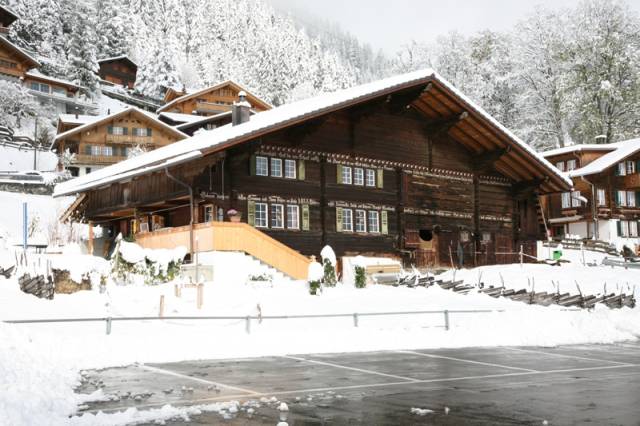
(388, 24)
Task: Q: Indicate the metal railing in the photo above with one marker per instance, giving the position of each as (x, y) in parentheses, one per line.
(356, 316)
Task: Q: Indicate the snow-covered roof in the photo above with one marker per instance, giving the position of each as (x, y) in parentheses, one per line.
(200, 92)
(37, 74)
(621, 151)
(578, 148)
(34, 62)
(117, 58)
(290, 114)
(201, 119)
(107, 118)
(181, 118)
(79, 118)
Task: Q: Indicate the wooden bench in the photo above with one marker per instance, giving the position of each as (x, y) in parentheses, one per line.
(383, 269)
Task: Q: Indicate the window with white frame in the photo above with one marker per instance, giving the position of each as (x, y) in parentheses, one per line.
(96, 150)
(631, 199)
(560, 166)
(631, 167)
(575, 199)
(602, 197)
(346, 175)
(566, 200)
(571, 165)
(361, 219)
(633, 228)
(347, 220)
(276, 167)
(624, 228)
(373, 221)
(371, 177)
(277, 216)
(290, 169)
(107, 151)
(208, 213)
(117, 130)
(622, 169)
(358, 176)
(293, 216)
(141, 131)
(262, 216)
(262, 166)
(621, 198)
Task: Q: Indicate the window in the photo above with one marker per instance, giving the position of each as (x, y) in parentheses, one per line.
(347, 219)
(371, 177)
(486, 237)
(262, 166)
(602, 197)
(290, 169)
(622, 169)
(107, 151)
(631, 199)
(6, 64)
(276, 167)
(631, 167)
(566, 200)
(560, 166)
(293, 217)
(59, 91)
(277, 216)
(373, 221)
(87, 170)
(41, 87)
(361, 217)
(571, 165)
(575, 199)
(96, 150)
(346, 175)
(621, 198)
(633, 228)
(358, 176)
(208, 213)
(144, 132)
(464, 236)
(220, 216)
(117, 130)
(261, 220)
(623, 228)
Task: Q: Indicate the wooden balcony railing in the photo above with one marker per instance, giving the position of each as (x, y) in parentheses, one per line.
(228, 236)
(129, 139)
(97, 159)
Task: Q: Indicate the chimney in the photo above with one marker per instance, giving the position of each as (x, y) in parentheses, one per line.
(600, 139)
(241, 110)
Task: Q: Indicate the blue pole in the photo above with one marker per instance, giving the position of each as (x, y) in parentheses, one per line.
(24, 226)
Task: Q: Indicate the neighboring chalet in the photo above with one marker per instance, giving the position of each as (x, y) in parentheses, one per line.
(405, 167)
(99, 141)
(209, 101)
(605, 201)
(119, 70)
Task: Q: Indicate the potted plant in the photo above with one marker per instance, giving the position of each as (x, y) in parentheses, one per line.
(234, 215)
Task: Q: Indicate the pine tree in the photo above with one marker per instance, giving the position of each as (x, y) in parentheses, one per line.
(83, 66)
(113, 29)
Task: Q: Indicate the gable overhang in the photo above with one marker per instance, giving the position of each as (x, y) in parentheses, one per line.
(24, 56)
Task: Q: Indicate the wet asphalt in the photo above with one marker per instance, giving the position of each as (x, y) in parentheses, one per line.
(567, 385)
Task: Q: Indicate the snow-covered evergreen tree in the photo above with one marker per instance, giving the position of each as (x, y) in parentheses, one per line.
(113, 28)
(82, 62)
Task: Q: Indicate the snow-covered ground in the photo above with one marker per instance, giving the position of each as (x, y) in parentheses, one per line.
(14, 159)
(44, 360)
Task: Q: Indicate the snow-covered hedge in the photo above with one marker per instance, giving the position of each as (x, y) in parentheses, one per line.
(131, 263)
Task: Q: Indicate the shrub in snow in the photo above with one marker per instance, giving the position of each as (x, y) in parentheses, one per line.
(329, 266)
(359, 271)
(314, 276)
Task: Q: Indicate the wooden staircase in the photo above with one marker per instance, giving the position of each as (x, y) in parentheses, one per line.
(228, 236)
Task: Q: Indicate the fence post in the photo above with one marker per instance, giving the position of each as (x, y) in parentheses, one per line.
(108, 326)
(355, 319)
(248, 325)
(446, 320)
(161, 310)
(521, 255)
(200, 295)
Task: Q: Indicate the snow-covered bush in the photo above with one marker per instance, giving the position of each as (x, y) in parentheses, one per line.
(130, 262)
(359, 271)
(314, 276)
(329, 266)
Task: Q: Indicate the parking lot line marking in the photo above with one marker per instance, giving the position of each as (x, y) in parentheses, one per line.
(565, 356)
(195, 379)
(354, 387)
(467, 360)
(344, 367)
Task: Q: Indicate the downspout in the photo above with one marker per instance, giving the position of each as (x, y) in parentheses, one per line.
(179, 182)
(594, 204)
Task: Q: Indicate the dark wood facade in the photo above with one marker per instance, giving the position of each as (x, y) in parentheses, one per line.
(120, 70)
(433, 194)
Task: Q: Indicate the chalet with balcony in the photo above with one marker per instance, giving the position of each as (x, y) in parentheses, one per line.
(7, 17)
(405, 167)
(119, 70)
(99, 141)
(605, 201)
(209, 101)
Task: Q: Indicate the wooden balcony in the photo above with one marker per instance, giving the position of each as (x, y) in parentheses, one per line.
(632, 181)
(97, 159)
(129, 140)
(228, 236)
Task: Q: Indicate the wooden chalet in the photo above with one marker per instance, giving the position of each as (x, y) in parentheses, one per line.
(605, 201)
(7, 17)
(209, 101)
(99, 141)
(405, 167)
(14, 61)
(119, 70)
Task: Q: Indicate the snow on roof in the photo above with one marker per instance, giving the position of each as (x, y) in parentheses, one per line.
(621, 151)
(284, 115)
(23, 52)
(116, 58)
(106, 118)
(181, 118)
(199, 92)
(201, 119)
(38, 74)
(79, 119)
(578, 148)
